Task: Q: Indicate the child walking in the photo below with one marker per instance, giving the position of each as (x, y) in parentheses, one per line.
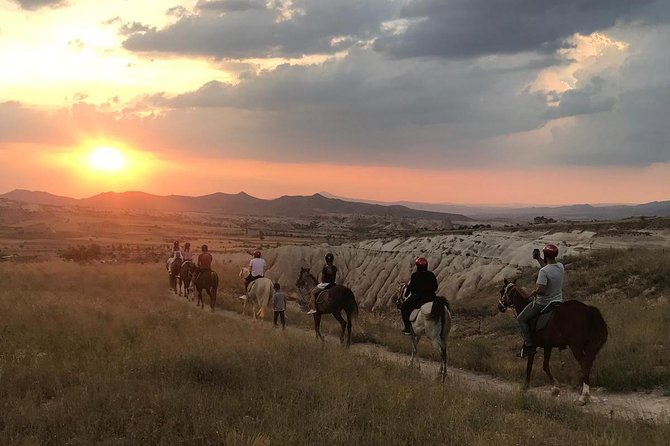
(279, 306)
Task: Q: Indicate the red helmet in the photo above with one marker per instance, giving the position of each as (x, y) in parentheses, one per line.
(421, 262)
(257, 254)
(550, 251)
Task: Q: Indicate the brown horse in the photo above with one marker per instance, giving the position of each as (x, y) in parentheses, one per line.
(186, 274)
(573, 324)
(208, 281)
(331, 301)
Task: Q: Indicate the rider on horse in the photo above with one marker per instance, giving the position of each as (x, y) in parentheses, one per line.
(204, 262)
(422, 287)
(186, 254)
(549, 289)
(176, 254)
(328, 280)
(256, 269)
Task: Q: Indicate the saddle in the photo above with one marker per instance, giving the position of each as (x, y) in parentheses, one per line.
(415, 313)
(542, 320)
(323, 293)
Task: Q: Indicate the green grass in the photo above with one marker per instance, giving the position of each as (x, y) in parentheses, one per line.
(100, 355)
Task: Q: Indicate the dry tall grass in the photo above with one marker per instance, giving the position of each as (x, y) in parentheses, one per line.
(100, 355)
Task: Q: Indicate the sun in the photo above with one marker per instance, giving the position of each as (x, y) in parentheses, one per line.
(107, 159)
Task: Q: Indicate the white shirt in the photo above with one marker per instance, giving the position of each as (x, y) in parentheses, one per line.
(551, 276)
(257, 266)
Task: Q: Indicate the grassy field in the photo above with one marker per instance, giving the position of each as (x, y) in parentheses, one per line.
(99, 355)
(630, 287)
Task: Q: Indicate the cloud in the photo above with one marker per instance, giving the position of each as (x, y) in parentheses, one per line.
(242, 29)
(581, 101)
(472, 28)
(231, 5)
(37, 4)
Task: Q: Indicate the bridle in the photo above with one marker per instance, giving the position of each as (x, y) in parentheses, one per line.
(505, 300)
(401, 296)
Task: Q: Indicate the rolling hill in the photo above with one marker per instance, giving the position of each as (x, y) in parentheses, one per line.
(233, 204)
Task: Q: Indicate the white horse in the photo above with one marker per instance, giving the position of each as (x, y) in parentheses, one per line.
(433, 320)
(259, 293)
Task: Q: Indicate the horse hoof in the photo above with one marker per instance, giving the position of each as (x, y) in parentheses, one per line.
(555, 391)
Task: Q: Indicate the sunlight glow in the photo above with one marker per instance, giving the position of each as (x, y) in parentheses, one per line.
(107, 159)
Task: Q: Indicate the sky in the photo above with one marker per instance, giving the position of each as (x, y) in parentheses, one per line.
(450, 101)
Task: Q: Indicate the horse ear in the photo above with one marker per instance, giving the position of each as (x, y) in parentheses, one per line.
(514, 281)
(506, 281)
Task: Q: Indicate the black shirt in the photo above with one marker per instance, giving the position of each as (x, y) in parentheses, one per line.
(423, 283)
(329, 274)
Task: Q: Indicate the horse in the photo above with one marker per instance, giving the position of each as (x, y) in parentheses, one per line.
(173, 268)
(259, 292)
(186, 273)
(572, 324)
(433, 320)
(331, 301)
(208, 281)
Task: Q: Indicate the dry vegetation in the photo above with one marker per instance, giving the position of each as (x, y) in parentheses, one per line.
(98, 355)
(631, 287)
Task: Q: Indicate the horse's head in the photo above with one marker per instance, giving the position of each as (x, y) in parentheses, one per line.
(302, 278)
(401, 294)
(505, 300)
(244, 272)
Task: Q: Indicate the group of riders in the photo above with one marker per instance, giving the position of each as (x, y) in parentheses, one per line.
(183, 255)
(421, 289)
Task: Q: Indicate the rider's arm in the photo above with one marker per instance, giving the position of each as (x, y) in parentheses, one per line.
(540, 284)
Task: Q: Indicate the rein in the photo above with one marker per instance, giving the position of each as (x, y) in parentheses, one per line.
(505, 300)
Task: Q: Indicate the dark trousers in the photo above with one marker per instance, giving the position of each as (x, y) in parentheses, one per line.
(412, 303)
(279, 314)
(249, 279)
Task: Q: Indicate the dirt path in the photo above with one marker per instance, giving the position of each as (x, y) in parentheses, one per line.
(649, 407)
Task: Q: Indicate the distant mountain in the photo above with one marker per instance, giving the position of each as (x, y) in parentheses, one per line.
(570, 212)
(36, 197)
(233, 204)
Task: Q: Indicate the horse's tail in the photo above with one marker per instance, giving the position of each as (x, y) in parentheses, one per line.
(437, 312)
(215, 282)
(352, 305)
(597, 332)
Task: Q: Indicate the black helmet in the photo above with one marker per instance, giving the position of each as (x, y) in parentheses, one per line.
(330, 257)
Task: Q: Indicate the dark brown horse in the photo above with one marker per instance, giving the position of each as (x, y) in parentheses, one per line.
(186, 274)
(208, 281)
(573, 324)
(331, 301)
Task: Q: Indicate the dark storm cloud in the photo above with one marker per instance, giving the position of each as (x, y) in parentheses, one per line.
(582, 101)
(37, 4)
(472, 28)
(315, 27)
(231, 5)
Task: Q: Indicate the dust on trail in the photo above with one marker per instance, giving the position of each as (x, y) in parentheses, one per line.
(632, 406)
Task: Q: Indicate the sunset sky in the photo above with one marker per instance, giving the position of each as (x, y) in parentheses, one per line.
(453, 101)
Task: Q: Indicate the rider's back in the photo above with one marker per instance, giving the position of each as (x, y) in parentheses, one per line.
(551, 276)
(423, 283)
(205, 260)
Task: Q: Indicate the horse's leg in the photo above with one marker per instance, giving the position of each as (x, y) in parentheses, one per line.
(415, 342)
(343, 324)
(317, 326)
(529, 369)
(585, 363)
(349, 321)
(212, 298)
(545, 366)
(200, 302)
